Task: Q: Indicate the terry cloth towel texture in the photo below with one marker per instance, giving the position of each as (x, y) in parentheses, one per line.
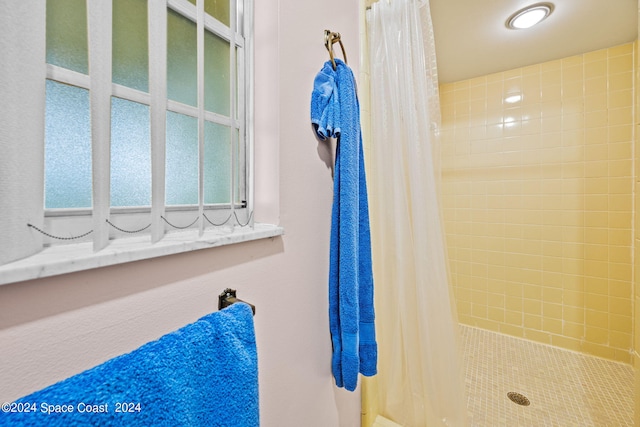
(204, 374)
(335, 112)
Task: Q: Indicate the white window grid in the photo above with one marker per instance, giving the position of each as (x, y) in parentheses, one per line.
(99, 223)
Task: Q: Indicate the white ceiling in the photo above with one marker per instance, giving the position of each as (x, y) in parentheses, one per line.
(472, 39)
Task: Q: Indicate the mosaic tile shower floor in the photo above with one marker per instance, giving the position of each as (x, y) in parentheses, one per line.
(565, 388)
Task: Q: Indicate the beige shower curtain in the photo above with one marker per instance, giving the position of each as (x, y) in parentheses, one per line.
(419, 382)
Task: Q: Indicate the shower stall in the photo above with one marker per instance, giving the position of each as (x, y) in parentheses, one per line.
(535, 170)
(538, 198)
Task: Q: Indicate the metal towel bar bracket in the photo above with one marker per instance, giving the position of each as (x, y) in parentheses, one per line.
(228, 297)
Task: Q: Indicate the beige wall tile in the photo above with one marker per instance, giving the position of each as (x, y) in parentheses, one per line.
(538, 201)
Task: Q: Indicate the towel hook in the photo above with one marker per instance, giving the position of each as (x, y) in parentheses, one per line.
(329, 39)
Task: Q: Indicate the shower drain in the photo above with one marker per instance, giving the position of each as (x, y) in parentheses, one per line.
(518, 398)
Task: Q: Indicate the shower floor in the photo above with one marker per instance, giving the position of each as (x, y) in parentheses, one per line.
(564, 388)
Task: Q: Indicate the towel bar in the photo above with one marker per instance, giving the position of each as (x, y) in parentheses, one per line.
(228, 297)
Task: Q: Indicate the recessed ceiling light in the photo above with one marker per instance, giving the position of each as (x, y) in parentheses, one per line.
(529, 16)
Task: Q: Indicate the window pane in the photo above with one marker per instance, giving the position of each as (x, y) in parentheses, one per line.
(181, 59)
(182, 160)
(67, 34)
(67, 147)
(130, 154)
(217, 163)
(219, 9)
(130, 44)
(216, 74)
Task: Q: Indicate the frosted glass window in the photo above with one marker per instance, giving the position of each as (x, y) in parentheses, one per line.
(217, 163)
(67, 34)
(67, 147)
(203, 143)
(181, 160)
(219, 9)
(130, 44)
(181, 59)
(130, 154)
(216, 74)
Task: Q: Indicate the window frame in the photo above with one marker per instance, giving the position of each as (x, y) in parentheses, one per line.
(113, 246)
(109, 222)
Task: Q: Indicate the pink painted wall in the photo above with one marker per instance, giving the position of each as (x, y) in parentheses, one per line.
(53, 328)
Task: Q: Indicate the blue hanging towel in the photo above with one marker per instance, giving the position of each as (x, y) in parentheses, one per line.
(205, 374)
(335, 112)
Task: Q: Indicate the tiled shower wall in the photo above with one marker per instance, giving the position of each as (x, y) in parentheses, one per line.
(538, 204)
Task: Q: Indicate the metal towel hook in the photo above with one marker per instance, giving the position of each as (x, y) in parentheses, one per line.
(329, 39)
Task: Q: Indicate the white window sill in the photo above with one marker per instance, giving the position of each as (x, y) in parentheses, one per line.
(70, 258)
